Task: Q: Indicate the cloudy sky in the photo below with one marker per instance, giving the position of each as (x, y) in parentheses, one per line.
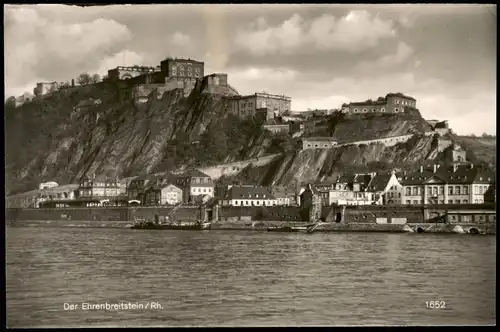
(320, 55)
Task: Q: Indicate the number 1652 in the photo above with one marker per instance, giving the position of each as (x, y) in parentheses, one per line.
(435, 304)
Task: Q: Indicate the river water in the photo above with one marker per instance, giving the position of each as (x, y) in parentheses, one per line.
(229, 278)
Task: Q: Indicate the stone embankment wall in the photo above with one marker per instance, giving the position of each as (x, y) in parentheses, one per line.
(112, 214)
(229, 169)
(388, 141)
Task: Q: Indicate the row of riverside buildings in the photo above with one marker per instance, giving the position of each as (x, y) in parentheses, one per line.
(456, 183)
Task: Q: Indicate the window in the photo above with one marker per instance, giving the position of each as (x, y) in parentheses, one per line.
(408, 191)
(197, 75)
(465, 201)
(190, 69)
(435, 191)
(457, 190)
(374, 109)
(450, 201)
(189, 74)
(457, 201)
(355, 110)
(396, 110)
(415, 191)
(466, 190)
(408, 202)
(415, 202)
(441, 190)
(397, 101)
(382, 109)
(365, 110)
(429, 191)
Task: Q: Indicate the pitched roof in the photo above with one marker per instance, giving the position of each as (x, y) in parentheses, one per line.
(379, 182)
(282, 192)
(346, 178)
(461, 174)
(248, 192)
(369, 103)
(399, 94)
(160, 186)
(362, 179)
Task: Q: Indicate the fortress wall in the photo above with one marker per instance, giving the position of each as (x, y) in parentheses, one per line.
(229, 169)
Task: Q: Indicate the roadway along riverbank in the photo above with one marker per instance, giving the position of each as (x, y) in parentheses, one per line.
(262, 226)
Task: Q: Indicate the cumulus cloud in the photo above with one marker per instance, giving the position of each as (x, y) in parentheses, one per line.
(123, 58)
(42, 49)
(357, 31)
(402, 54)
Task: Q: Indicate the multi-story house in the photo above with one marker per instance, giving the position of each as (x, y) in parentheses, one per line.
(163, 194)
(248, 105)
(248, 195)
(183, 68)
(195, 183)
(137, 188)
(351, 189)
(100, 186)
(284, 196)
(457, 184)
(386, 189)
(392, 103)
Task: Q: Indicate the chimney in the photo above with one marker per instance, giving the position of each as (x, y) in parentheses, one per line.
(421, 169)
(435, 168)
(73, 82)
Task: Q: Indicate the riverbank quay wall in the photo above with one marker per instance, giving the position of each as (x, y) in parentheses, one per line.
(402, 214)
(105, 214)
(373, 214)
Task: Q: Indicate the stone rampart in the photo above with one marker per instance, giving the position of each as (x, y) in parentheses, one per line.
(229, 169)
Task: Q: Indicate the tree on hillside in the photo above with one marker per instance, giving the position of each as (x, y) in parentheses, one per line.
(84, 79)
(95, 78)
(64, 85)
(11, 101)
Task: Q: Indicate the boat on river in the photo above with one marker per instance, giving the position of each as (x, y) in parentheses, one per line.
(289, 228)
(198, 225)
(282, 229)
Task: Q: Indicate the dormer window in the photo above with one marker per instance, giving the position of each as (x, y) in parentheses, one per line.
(396, 110)
(365, 110)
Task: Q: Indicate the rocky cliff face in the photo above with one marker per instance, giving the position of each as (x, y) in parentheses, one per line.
(312, 165)
(48, 140)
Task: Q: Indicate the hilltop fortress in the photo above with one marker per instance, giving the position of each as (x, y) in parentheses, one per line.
(391, 103)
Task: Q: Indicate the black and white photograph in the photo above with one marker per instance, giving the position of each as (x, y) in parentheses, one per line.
(250, 165)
